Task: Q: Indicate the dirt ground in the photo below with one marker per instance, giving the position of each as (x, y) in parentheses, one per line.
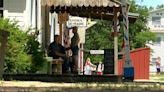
(36, 86)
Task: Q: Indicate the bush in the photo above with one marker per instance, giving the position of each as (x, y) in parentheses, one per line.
(16, 60)
(34, 49)
(23, 54)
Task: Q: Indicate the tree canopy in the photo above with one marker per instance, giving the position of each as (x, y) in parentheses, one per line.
(160, 6)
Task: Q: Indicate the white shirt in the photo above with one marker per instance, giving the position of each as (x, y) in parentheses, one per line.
(87, 70)
(100, 67)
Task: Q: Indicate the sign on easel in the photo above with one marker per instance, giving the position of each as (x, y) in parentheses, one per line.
(76, 21)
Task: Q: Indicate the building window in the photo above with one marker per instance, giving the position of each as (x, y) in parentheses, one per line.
(153, 61)
(157, 41)
(161, 14)
(1, 3)
(156, 20)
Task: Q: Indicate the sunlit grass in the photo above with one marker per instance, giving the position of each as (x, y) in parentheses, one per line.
(36, 86)
(82, 87)
(156, 77)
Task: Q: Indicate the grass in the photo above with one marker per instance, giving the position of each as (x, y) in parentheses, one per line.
(79, 87)
(155, 77)
(162, 76)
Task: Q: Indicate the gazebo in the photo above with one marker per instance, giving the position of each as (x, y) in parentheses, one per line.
(97, 9)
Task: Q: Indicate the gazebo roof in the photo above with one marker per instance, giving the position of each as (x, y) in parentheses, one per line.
(80, 3)
(97, 9)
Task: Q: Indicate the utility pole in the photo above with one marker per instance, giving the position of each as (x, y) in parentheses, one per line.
(128, 66)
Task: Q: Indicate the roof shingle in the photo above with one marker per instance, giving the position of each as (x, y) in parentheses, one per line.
(86, 3)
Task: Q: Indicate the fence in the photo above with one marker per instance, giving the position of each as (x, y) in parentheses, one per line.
(140, 58)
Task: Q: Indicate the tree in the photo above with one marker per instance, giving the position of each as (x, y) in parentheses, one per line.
(142, 38)
(139, 27)
(151, 8)
(16, 60)
(98, 37)
(33, 48)
(23, 54)
(160, 6)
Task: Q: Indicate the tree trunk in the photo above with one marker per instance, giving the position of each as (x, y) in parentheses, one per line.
(3, 41)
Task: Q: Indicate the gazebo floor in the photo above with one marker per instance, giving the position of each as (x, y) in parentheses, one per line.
(67, 78)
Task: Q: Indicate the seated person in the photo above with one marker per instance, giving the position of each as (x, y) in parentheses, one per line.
(56, 50)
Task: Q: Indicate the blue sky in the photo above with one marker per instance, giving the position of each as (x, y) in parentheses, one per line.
(149, 3)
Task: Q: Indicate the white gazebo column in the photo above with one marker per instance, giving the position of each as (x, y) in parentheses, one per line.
(33, 14)
(81, 59)
(28, 13)
(39, 20)
(45, 24)
(52, 27)
(56, 25)
(115, 43)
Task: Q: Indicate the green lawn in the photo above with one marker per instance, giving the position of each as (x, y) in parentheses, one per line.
(155, 77)
(162, 76)
(25, 86)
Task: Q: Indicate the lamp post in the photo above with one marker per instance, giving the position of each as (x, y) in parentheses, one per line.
(128, 66)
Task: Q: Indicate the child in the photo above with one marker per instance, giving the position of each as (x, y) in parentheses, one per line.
(88, 67)
(100, 68)
(158, 63)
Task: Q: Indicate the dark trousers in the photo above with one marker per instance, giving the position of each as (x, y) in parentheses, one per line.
(72, 66)
(66, 65)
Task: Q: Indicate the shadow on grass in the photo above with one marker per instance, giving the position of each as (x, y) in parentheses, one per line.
(92, 87)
